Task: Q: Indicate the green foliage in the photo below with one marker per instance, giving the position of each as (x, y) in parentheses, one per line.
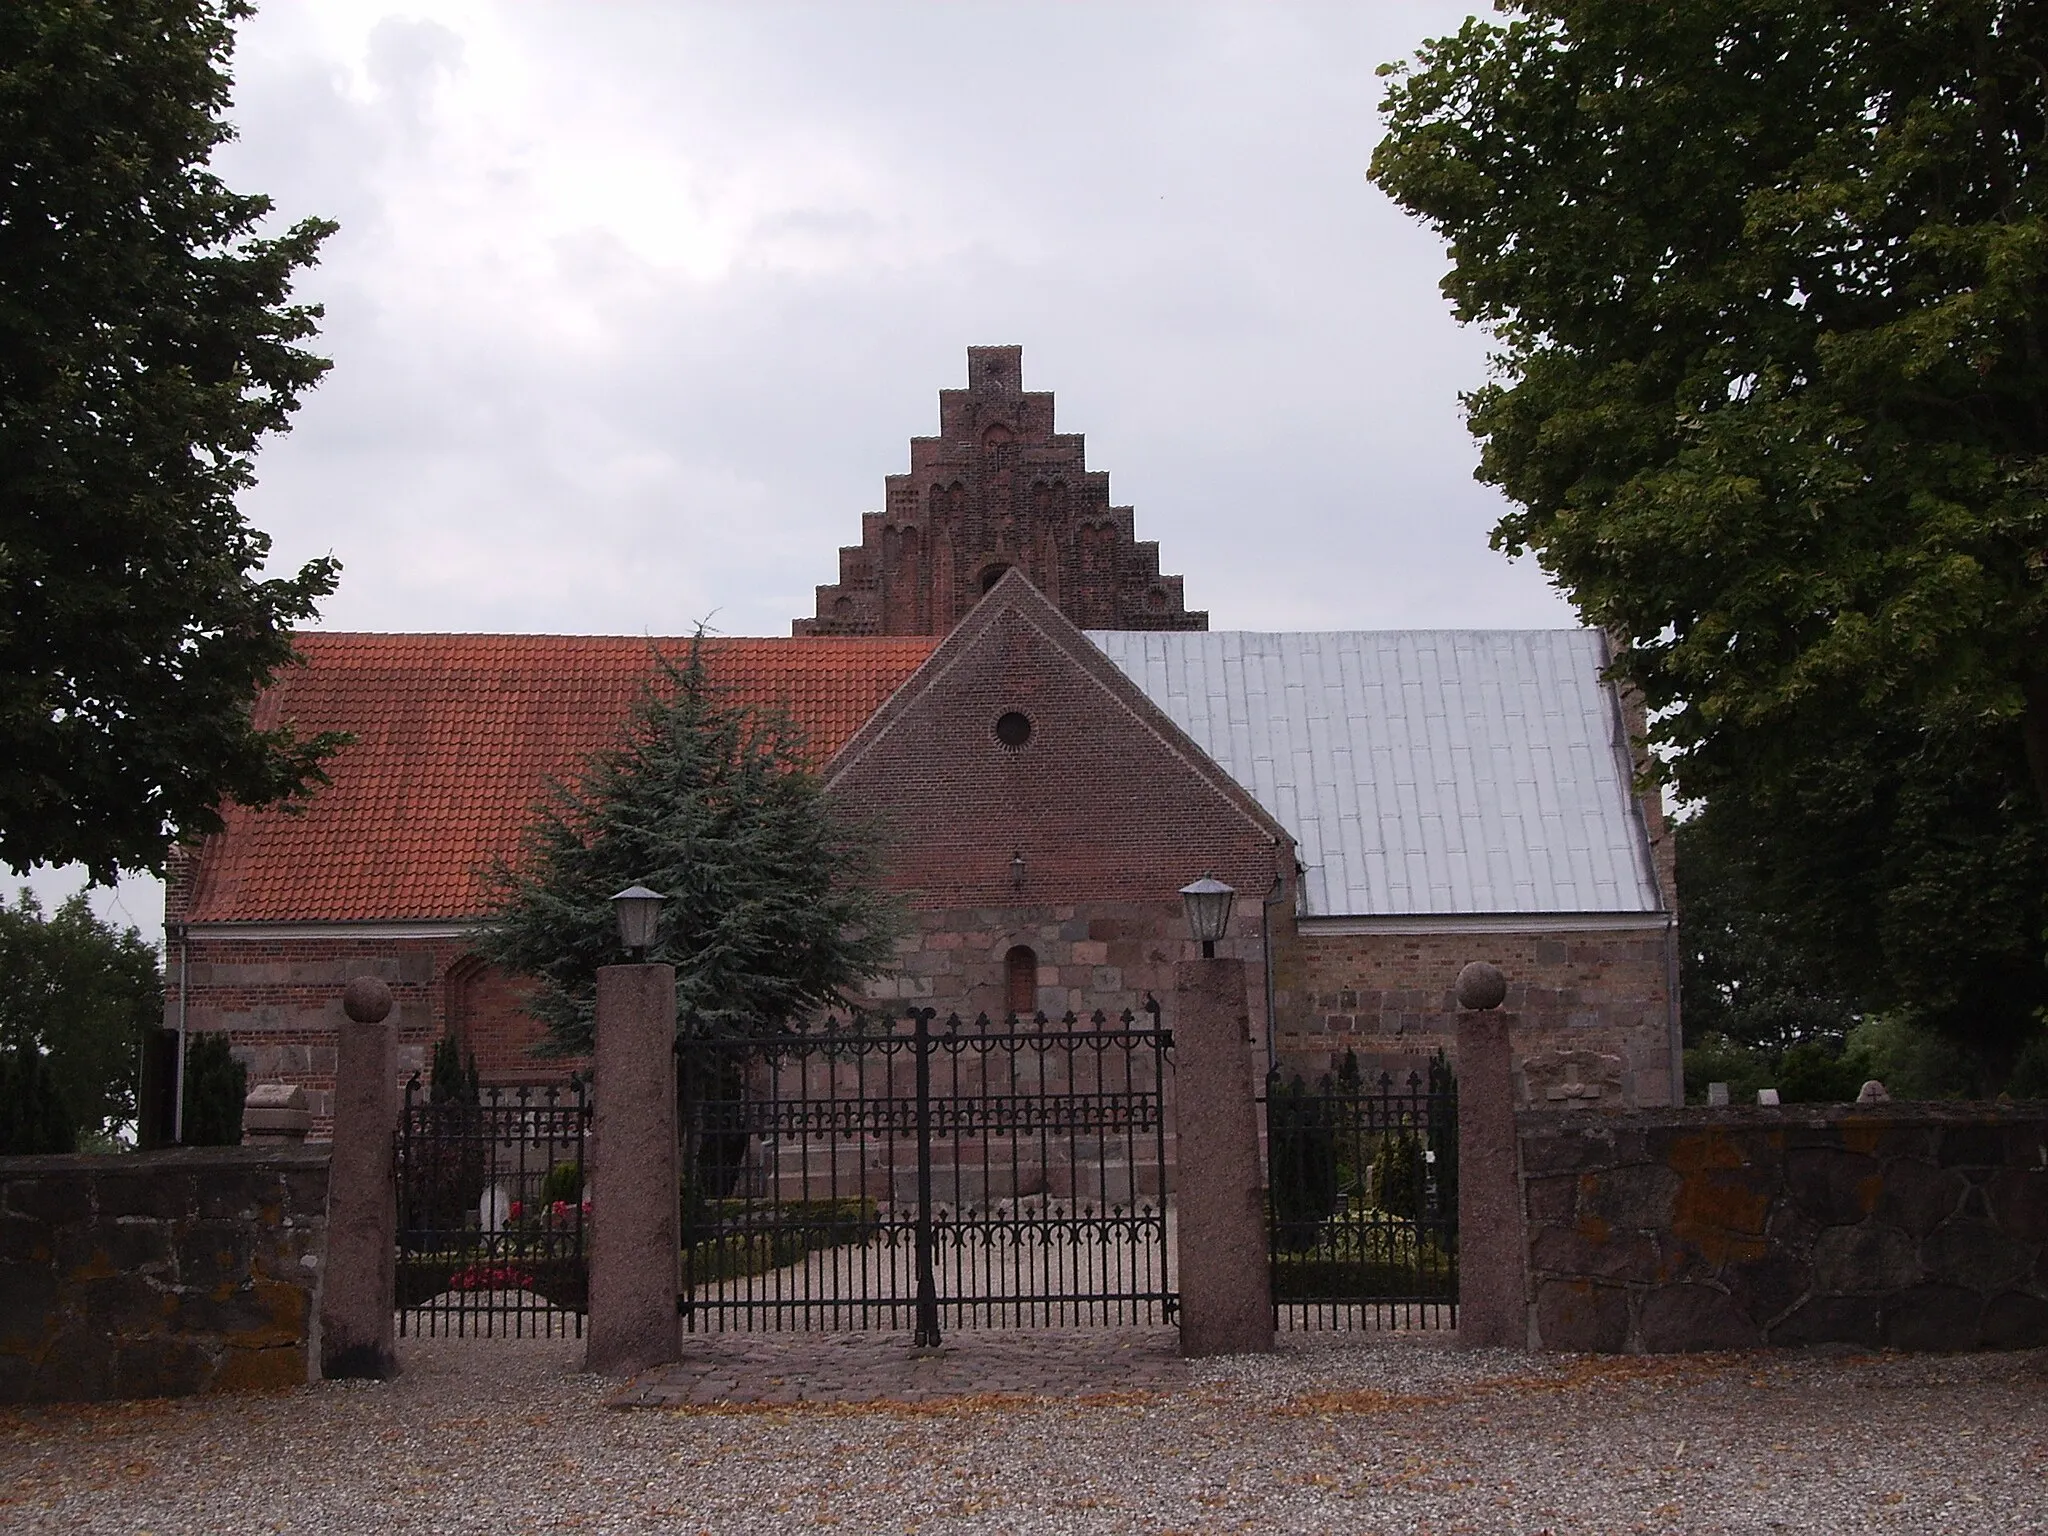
(453, 1082)
(801, 1227)
(1301, 1156)
(774, 901)
(1910, 1060)
(147, 345)
(1364, 1256)
(1442, 1083)
(33, 1115)
(76, 998)
(1397, 1175)
(215, 1086)
(1768, 282)
(564, 1182)
(1899, 877)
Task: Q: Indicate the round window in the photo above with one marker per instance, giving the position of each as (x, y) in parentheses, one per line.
(1014, 729)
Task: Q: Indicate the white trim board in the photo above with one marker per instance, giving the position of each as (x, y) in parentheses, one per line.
(364, 930)
(1486, 922)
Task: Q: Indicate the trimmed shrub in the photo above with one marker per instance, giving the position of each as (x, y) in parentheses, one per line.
(215, 1086)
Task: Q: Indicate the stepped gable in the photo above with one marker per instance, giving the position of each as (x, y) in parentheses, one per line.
(997, 488)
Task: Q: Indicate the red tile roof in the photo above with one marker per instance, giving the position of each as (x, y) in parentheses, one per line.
(455, 735)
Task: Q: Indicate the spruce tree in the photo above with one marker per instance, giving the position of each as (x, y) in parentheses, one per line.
(774, 898)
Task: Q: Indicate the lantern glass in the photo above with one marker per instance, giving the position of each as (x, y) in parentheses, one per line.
(639, 910)
(1208, 907)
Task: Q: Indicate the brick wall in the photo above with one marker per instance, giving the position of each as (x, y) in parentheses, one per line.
(159, 1274)
(1101, 803)
(1107, 955)
(1593, 1024)
(279, 1000)
(1910, 1226)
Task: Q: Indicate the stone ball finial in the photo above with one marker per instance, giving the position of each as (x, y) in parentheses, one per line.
(1481, 986)
(366, 1000)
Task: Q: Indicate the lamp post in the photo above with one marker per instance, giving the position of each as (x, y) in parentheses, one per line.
(1226, 1304)
(638, 910)
(634, 1171)
(1207, 903)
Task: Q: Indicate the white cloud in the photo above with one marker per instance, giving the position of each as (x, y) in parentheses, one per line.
(634, 305)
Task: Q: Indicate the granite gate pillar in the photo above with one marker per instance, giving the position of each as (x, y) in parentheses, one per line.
(1226, 1293)
(359, 1291)
(634, 1176)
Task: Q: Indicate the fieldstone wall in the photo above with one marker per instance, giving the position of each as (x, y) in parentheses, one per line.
(160, 1274)
(1908, 1226)
(1593, 1023)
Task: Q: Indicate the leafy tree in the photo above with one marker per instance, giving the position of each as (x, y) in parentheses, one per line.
(1769, 280)
(774, 897)
(76, 999)
(1905, 874)
(146, 346)
(33, 1115)
(1766, 279)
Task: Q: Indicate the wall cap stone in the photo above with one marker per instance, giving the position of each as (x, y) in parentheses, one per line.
(1897, 1112)
(169, 1157)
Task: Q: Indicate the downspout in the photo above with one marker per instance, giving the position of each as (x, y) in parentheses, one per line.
(184, 1004)
(1270, 900)
(1674, 1022)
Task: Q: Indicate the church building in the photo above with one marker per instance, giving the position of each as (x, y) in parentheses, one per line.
(1003, 677)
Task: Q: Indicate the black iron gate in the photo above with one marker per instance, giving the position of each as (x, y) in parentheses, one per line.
(491, 1213)
(1362, 1199)
(883, 1173)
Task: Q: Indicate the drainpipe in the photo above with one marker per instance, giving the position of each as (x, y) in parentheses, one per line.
(1676, 1024)
(1272, 899)
(184, 1003)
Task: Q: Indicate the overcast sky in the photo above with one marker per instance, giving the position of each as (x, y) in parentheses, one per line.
(633, 306)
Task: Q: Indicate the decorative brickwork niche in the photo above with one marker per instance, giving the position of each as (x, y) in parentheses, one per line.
(997, 489)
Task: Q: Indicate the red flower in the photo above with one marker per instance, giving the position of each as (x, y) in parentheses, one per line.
(559, 1210)
(518, 1209)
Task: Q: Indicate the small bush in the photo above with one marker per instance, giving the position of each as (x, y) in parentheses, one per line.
(215, 1086)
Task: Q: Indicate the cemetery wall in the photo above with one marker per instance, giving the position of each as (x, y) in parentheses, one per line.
(1906, 1226)
(1592, 1006)
(160, 1274)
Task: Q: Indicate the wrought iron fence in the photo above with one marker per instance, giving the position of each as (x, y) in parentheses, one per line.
(884, 1173)
(1362, 1199)
(492, 1214)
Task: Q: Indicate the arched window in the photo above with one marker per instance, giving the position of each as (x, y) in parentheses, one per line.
(1020, 982)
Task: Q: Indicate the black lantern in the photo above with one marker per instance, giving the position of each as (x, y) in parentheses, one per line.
(1208, 906)
(639, 909)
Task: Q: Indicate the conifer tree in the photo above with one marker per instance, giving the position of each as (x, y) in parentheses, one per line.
(774, 898)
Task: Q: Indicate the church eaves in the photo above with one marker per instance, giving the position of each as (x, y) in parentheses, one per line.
(456, 737)
(997, 489)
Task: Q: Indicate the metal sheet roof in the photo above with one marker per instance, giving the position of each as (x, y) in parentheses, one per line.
(1421, 771)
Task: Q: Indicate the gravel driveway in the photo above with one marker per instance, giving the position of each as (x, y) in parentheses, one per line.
(1334, 1433)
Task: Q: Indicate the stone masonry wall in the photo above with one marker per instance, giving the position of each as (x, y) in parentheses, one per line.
(1908, 1226)
(1107, 955)
(160, 1274)
(1592, 1008)
(279, 1000)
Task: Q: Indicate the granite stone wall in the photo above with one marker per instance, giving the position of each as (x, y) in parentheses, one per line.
(1593, 1025)
(1906, 1226)
(160, 1274)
